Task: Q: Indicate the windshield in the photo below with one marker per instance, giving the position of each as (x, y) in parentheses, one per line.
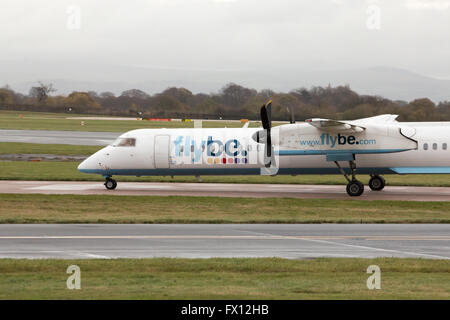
(124, 142)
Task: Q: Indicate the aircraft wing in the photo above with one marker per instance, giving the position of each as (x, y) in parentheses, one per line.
(335, 125)
(380, 118)
(350, 126)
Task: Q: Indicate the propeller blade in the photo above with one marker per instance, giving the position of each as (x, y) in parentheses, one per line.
(266, 119)
(268, 153)
(291, 112)
(269, 112)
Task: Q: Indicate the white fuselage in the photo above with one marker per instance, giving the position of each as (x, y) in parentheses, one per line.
(299, 149)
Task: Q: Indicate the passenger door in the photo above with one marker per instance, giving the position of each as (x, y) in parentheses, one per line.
(161, 151)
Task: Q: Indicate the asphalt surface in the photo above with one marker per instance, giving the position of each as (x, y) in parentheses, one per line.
(59, 137)
(294, 241)
(224, 190)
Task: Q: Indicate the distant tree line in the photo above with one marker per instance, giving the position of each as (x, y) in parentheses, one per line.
(231, 102)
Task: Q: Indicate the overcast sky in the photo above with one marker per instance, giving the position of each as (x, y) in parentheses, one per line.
(231, 34)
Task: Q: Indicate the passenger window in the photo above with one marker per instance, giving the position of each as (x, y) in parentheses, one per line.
(425, 146)
(444, 146)
(434, 146)
(124, 142)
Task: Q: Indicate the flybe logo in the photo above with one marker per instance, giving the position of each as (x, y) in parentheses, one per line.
(227, 152)
(336, 140)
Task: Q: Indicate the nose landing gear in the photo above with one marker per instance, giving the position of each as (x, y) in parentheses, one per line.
(110, 184)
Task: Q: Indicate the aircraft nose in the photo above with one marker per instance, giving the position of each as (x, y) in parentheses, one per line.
(93, 163)
(83, 165)
(87, 164)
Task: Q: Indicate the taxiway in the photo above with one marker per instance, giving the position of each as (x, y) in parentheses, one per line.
(293, 241)
(59, 137)
(224, 190)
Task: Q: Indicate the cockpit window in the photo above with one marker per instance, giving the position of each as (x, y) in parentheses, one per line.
(124, 142)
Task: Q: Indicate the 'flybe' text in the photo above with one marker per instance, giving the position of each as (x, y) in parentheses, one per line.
(186, 146)
(335, 140)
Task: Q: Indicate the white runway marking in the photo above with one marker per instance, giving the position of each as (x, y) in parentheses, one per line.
(90, 255)
(380, 249)
(241, 237)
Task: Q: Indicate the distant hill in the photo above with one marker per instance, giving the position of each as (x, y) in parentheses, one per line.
(396, 84)
(392, 83)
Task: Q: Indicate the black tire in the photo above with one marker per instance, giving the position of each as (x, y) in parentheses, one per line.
(377, 183)
(355, 188)
(110, 184)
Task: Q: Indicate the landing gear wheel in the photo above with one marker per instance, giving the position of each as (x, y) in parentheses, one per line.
(377, 183)
(355, 188)
(110, 184)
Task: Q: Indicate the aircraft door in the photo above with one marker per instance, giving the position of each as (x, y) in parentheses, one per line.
(161, 151)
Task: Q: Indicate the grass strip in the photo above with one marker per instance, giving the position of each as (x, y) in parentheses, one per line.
(221, 278)
(38, 208)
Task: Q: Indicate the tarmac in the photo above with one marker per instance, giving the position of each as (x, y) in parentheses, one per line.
(59, 137)
(224, 190)
(292, 241)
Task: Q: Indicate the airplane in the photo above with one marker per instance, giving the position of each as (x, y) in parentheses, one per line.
(374, 146)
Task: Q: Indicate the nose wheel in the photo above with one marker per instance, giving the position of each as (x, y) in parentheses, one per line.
(110, 184)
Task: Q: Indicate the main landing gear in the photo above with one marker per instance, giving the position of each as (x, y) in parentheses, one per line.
(377, 183)
(110, 184)
(355, 188)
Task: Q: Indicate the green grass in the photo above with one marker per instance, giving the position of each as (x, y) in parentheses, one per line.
(35, 148)
(58, 121)
(38, 208)
(257, 278)
(67, 171)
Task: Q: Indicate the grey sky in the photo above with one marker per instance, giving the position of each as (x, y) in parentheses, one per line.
(231, 35)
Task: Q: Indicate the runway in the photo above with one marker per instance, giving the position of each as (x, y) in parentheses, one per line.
(223, 190)
(59, 137)
(294, 241)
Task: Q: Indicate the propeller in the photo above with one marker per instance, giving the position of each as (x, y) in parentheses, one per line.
(266, 119)
(291, 112)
